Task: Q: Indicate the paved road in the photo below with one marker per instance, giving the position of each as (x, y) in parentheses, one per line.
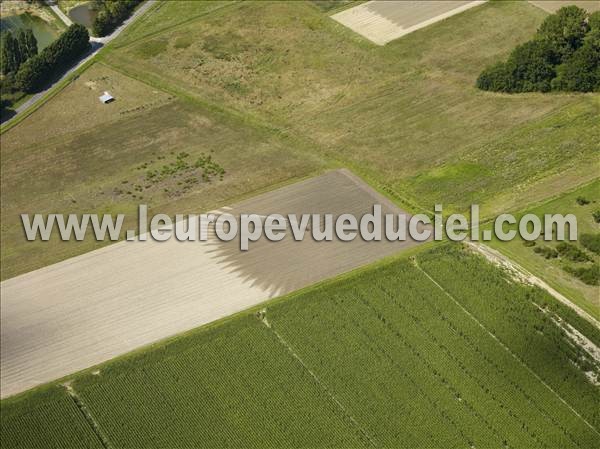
(60, 14)
(97, 44)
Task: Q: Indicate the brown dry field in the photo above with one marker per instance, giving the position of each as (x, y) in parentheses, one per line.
(98, 163)
(137, 293)
(77, 108)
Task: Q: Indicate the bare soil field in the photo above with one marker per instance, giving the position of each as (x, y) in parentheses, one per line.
(91, 308)
(554, 5)
(382, 22)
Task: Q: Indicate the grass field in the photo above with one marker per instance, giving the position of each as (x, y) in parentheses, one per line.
(401, 355)
(406, 114)
(99, 162)
(586, 296)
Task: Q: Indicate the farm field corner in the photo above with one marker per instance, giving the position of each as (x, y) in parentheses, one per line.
(268, 107)
(353, 360)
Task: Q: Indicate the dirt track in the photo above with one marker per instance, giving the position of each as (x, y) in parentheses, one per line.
(88, 309)
(523, 275)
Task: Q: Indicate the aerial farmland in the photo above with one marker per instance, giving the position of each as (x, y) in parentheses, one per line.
(304, 118)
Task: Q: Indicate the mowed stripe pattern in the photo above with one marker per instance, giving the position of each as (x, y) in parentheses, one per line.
(88, 309)
(383, 21)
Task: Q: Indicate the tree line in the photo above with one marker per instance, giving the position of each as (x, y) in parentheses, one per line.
(14, 51)
(36, 71)
(111, 13)
(564, 55)
(28, 71)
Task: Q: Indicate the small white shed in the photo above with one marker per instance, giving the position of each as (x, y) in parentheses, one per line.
(106, 98)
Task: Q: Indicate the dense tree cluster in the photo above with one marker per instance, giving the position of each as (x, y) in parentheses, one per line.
(14, 51)
(111, 13)
(564, 55)
(36, 71)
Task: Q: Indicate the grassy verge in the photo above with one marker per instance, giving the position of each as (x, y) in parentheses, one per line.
(552, 270)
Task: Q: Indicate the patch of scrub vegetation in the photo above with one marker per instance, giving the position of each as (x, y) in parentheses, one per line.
(226, 46)
(571, 252)
(589, 275)
(569, 267)
(174, 178)
(591, 242)
(391, 113)
(567, 252)
(403, 353)
(183, 42)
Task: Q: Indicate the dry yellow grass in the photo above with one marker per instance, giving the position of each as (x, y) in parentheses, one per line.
(77, 107)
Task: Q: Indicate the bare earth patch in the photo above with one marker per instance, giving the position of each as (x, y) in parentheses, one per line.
(91, 308)
(382, 21)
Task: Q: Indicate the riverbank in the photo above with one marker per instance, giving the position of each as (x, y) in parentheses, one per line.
(43, 12)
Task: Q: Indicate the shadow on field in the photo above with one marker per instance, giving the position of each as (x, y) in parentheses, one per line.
(287, 265)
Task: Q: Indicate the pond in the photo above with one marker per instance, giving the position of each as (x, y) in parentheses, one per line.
(83, 15)
(42, 31)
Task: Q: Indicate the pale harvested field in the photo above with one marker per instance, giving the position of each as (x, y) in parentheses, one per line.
(554, 5)
(91, 308)
(384, 21)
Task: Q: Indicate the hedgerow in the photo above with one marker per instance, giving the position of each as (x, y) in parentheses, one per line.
(111, 14)
(39, 69)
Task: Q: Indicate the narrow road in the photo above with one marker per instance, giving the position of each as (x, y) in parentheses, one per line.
(54, 7)
(97, 44)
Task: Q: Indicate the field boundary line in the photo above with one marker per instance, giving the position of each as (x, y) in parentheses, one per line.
(521, 274)
(262, 315)
(174, 26)
(84, 410)
(506, 348)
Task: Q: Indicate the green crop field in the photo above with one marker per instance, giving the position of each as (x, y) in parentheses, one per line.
(440, 349)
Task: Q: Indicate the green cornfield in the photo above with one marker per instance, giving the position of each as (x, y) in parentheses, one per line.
(439, 350)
